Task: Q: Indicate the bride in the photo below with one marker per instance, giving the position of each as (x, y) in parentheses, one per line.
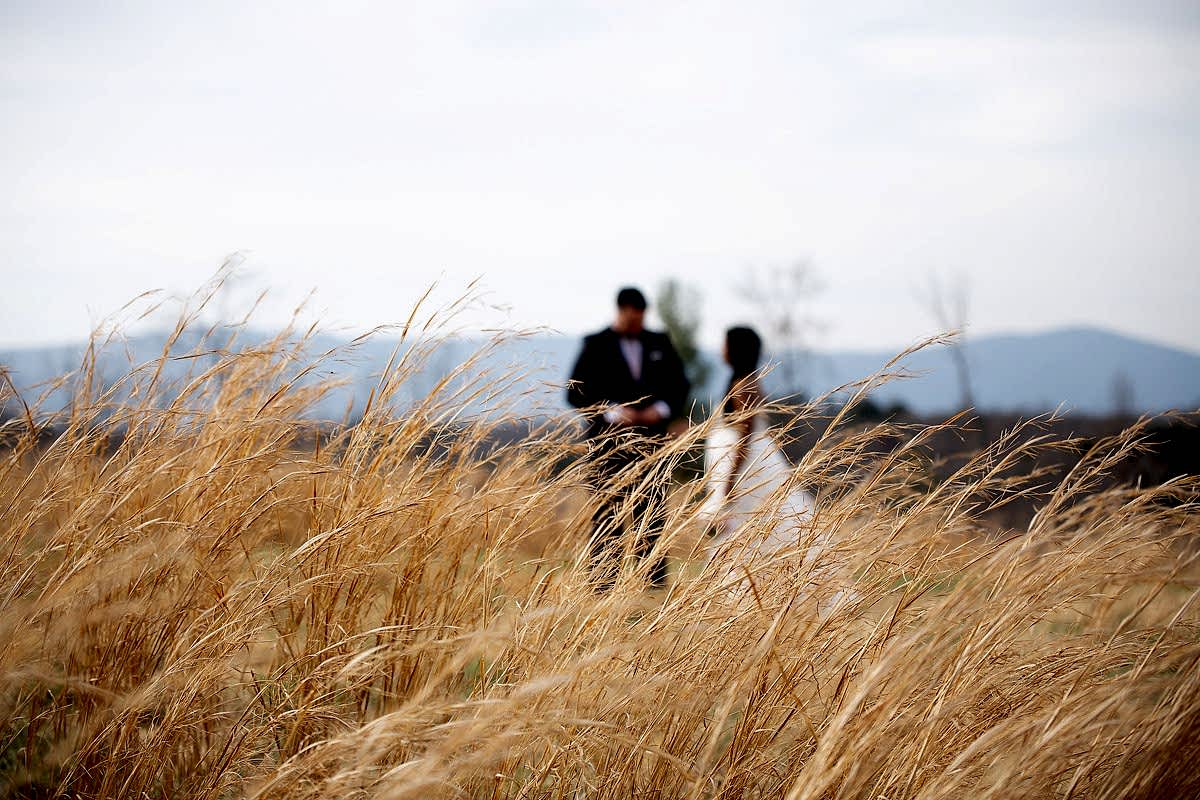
(753, 501)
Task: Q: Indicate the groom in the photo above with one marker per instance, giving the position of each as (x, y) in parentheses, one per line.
(630, 383)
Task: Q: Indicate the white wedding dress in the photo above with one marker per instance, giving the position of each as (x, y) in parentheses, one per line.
(767, 512)
(768, 515)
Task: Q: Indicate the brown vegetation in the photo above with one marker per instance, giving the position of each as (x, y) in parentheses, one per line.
(217, 603)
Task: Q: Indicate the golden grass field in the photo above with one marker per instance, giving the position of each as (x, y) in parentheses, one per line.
(219, 604)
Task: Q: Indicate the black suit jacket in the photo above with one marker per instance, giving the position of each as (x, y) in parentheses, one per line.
(602, 376)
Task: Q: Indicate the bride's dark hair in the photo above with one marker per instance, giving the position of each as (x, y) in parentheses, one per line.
(743, 348)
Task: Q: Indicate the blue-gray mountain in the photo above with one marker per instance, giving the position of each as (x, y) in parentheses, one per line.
(1084, 370)
(1078, 368)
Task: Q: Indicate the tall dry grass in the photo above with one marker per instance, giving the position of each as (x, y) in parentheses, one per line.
(203, 596)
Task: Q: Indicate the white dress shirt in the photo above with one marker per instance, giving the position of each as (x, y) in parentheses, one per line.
(631, 350)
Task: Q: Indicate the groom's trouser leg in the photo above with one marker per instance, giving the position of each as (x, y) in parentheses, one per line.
(625, 502)
(604, 550)
(650, 512)
(609, 461)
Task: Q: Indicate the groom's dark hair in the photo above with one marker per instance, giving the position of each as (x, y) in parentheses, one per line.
(629, 297)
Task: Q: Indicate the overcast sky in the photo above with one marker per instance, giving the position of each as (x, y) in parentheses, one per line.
(1046, 151)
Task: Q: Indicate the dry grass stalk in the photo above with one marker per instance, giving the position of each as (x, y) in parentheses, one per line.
(222, 602)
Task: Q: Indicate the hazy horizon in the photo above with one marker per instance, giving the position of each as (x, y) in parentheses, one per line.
(348, 331)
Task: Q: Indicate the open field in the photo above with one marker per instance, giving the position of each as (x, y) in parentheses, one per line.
(216, 603)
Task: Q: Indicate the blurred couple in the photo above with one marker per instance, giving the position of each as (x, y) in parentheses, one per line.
(629, 382)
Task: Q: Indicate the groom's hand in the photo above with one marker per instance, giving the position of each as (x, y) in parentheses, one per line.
(649, 416)
(624, 415)
(621, 415)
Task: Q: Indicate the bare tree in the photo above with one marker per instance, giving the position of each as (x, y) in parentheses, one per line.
(949, 305)
(780, 298)
(1123, 394)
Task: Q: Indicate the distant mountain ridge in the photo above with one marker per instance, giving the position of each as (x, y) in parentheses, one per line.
(1077, 368)
(1084, 370)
